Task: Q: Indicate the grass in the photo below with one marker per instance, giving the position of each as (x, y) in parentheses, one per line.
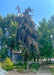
(51, 68)
(35, 60)
(52, 71)
(23, 68)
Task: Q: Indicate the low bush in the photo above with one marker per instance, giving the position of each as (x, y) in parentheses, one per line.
(18, 64)
(8, 65)
(48, 62)
(34, 66)
(24, 66)
(20, 70)
(15, 64)
(2, 65)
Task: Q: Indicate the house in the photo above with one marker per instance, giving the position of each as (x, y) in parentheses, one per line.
(15, 55)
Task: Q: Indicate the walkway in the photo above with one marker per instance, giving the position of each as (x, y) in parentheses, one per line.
(44, 70)
(13, 72)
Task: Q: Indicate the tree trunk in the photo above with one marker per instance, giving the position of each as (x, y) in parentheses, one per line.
(27, 66)
(47, 58)
(34, 59)
(11, 53)
(38, 59)
(50, 60)
(2, 55)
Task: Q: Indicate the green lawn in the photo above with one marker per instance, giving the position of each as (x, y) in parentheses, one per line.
(51, 68)
(52, 71)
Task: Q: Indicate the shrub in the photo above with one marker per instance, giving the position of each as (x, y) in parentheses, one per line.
(34, 66)
(48, 61)
(2, 65)
(18, 64)
(20, 70)
(24, 66)
(8, 65)
(15, 64)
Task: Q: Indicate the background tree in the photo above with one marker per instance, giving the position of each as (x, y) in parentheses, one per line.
(26, 32)
(46, 49)
(11, 38)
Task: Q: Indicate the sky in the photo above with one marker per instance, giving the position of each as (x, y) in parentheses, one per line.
(42, 8)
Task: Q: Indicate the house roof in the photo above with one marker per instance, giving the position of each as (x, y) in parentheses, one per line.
(16, 51)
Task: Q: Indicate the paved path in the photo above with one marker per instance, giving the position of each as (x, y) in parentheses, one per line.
(13, 72)
(44, 70)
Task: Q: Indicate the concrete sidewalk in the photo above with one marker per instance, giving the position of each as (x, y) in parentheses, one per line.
(44, 70)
